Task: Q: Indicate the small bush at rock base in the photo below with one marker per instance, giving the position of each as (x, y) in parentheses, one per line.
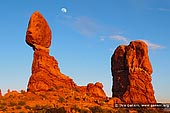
(56, 110)
(96, 109)
(61, 100)
(76, 109)
(21, 103)
(18, 107)
(11, 104)
(27, 107)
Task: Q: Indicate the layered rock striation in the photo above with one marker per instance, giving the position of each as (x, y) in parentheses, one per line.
(131, 72)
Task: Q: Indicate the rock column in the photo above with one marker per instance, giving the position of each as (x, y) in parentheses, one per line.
(131, 72)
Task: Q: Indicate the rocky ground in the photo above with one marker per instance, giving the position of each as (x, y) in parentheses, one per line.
(61, 100)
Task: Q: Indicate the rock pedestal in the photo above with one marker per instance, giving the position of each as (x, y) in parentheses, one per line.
(46, 74)
(131, 72)
(45, 71)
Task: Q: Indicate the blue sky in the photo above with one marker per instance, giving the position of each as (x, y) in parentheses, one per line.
(84, 38)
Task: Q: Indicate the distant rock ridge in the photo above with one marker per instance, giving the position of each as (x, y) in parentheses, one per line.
(46, 74)
(131, 71)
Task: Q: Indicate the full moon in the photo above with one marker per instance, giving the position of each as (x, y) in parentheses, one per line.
(64, 10)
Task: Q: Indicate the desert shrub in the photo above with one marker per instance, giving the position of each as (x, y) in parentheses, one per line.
(56, 110)
(11, 104)
(77, 98)
(51, 89)
(46, 107)
(3, 104)
(30, 111)
(11, 96)
(23, 91)
(3, 108)
(27, 107)
(77, 90)
(145, 110)
(78, 109)
(96, 109)
(18, 107)
(21, 103)
(107, 111)
(61, 99)
(41, 109)
(37, 107)
(55, 94)
(101, 103)
(122, 110)
(21, 112)
(44, 96)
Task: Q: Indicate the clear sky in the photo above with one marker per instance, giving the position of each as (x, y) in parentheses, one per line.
(85, 34)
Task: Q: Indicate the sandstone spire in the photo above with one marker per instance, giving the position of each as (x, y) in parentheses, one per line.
(46, 74)
(131, 71)
(45, 71)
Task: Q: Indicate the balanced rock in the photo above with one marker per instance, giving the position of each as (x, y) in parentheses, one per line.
(38, 32)
(45, 71)
(131, 72)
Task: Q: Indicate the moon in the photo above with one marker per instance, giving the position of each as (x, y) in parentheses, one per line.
(64, 10)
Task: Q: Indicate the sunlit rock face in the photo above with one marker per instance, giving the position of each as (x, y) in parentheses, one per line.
(38, 32)
(45, 71)
(131, 72)
(46, 74)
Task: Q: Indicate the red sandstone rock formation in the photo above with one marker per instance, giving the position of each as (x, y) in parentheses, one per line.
(38, 31)
(131, 71)
(46, 74)
(45, 71)
(93, 90)
(96, 90)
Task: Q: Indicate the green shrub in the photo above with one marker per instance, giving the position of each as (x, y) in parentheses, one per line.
(122, 110)
(61, 100)
(44, 96)
(27, 107)
(77, 98)
(21, 112)
(37, 107)
(11, 104)
(41, 108)
(46, 107)
(21, 103)
(18, 107)
(56, 110)
(51, 89)
(96, 109)
(23, 91)
(78, 109)
(30, 111)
